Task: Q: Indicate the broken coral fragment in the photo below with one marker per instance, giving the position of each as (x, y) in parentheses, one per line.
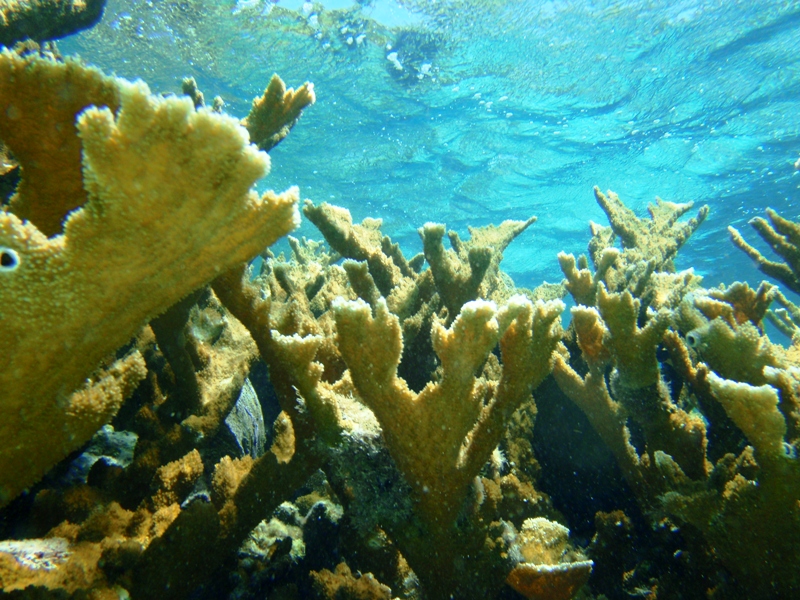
(169, 205)
(550, 582)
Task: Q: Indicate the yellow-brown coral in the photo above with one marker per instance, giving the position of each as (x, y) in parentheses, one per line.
(276, 111)
(550, 570)
(342, 583)
(169, 206)
(440, 456)
(783, 236)
(39, 102)
(429, 451)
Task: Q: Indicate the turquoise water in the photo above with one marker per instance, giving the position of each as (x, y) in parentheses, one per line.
(469, 112)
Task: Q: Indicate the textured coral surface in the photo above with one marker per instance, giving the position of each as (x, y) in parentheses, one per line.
(168, 205)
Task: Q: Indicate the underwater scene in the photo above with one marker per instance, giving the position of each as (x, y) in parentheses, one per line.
(399, 299)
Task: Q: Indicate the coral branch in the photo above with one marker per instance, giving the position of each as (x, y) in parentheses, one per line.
(276, 111)
(783, 236)
(633, 347)
(40, 102)
(657, 239)
(428, 450)
(470, 269)
(644, 265)
(169, 204)
(755, 410)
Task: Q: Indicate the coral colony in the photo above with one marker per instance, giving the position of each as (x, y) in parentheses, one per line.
(179, 421)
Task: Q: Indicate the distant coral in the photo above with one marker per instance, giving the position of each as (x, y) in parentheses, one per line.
(276, 112)
(783, 236)
(717, 349)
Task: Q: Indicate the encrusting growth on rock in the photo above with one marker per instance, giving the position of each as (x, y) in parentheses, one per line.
(644, 265)
(342, 583)
(543, 574)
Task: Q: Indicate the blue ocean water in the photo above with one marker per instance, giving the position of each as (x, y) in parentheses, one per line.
(469, 112)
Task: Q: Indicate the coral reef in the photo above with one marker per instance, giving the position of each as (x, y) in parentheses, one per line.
(132, 530)
(368, 339)
(348, 422)
(718, 356)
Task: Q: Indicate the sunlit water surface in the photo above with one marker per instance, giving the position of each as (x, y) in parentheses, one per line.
(470, 112)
